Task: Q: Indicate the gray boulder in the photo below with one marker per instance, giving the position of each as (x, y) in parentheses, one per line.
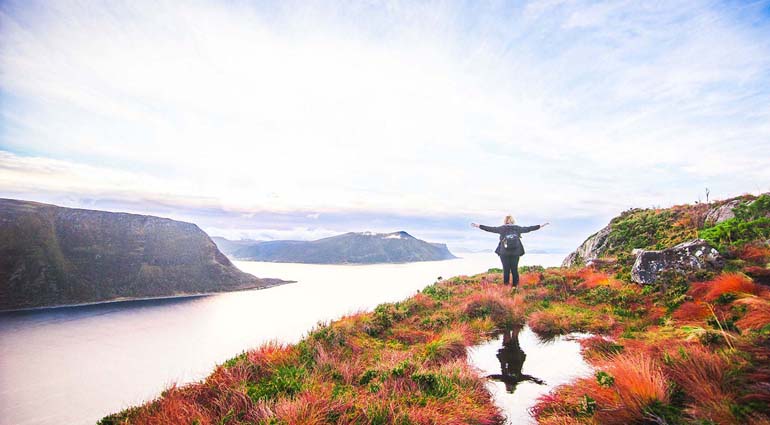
(589, 250)
(686, 258)
(722, 212)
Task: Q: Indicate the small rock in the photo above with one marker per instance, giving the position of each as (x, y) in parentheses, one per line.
(686, 258)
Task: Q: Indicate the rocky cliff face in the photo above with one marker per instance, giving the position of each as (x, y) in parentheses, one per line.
(350, 248)
(589, 250)
(51, 256)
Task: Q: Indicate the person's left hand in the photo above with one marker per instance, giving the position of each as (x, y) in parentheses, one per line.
(474, 225)
(545, 224)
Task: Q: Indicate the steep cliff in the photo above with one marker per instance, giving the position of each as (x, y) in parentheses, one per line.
(51, 255)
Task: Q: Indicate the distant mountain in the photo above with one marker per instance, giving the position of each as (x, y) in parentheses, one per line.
(51, 255)
(349, 248)
(229, 247)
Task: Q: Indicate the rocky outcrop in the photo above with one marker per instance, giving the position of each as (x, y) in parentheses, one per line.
(349, 248)
(52, 256)
(589, 250)
(722, 212)
(685, 258)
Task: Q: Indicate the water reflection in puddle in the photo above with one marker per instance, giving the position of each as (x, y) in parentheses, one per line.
(521, 368)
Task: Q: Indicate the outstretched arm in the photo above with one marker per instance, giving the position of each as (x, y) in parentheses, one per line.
(486, 228)
(526, 229)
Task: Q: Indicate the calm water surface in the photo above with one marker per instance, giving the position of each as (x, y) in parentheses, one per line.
(523, 368)
(74, 365)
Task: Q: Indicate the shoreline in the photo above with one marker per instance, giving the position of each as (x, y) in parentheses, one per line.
(278, 282)
(344, 264)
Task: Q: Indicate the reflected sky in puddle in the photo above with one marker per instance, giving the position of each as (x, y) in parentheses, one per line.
(521, 368)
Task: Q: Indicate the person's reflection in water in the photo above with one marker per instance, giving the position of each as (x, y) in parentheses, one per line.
(511, 358)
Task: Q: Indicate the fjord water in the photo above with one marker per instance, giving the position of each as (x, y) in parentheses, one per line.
(76, 364)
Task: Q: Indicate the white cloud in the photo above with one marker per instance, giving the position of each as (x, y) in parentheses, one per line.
(554, 108)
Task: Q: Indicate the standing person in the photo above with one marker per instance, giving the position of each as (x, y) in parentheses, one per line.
(510, 247)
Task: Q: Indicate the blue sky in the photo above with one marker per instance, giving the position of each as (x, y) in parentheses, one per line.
(304, 119)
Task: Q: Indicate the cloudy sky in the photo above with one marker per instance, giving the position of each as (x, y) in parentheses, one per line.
(304, 119)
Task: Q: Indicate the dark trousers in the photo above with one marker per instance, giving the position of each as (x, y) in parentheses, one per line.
(510, 265)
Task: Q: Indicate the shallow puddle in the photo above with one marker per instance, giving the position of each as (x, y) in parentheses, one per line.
(521, 368)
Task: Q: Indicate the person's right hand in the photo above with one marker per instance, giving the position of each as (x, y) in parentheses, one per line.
(474, 225)
(545, 224)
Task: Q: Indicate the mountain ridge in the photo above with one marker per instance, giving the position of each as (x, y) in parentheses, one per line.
(347, 248)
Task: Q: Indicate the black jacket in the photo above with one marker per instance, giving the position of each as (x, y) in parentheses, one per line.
(507, 229)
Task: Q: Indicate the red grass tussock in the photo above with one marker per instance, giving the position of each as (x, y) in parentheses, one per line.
(449, 345)
(529, 279)
(271, 354)
(690, 310)
(639, 383)
(758, 315)
(755, 254)
(308, 408)
(593, 278)
(598, 347)
(724, 283)
(408, 335)
(495, 303)
(702, 376)
(174, 407)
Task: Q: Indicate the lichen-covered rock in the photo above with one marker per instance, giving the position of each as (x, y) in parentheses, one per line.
(722, 212)
(589, 250)
(686, 258)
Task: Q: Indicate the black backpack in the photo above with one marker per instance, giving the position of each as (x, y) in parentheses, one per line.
(511, 244)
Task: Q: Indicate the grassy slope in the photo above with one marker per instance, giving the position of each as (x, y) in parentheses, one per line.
(680, 352)
(662, 355)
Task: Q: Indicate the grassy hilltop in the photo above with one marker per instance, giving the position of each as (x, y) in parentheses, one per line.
(730, 225)
(688, 349)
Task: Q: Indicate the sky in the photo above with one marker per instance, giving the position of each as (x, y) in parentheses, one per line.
(304, 119)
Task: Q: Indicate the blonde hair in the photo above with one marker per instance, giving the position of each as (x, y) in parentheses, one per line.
(509, 219)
